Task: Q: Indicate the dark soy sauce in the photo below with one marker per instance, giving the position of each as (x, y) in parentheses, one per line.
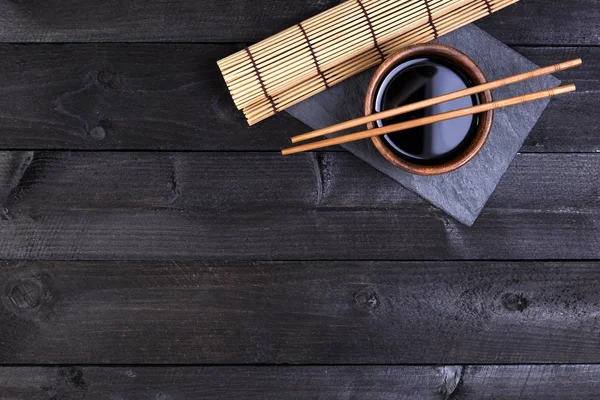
(420, 79)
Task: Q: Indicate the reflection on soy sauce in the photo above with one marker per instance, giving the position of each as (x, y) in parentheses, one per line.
(420, 79)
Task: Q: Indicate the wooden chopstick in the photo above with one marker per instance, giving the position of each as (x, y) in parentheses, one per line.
(430, 120)
(440, 99)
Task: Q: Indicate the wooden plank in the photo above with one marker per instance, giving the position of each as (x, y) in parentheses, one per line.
(527, 22)
(178, 312)
(106, 205)
(545, 23)
(120, 96)
(368, 382)
(172, 97)
(568, 116)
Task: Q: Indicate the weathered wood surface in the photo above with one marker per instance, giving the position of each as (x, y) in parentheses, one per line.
(137, 205)
(527, 22)
(172, 97)
(120, 96)
(178, 312)
(197, 218)
(357, 382)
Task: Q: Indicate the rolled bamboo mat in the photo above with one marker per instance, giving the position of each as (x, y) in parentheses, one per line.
(343, 41)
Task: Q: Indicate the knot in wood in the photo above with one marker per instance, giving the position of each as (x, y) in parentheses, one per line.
(106, 77)
(26, 294)
(97, 133)
(514, 302)
(73, 377)
(367, 299)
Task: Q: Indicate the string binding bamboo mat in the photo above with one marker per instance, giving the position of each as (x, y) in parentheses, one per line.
(343, 41)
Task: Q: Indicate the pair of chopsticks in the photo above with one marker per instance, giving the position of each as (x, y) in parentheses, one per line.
(438, 117)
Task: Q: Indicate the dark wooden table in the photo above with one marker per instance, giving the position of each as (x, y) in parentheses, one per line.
(155, 247)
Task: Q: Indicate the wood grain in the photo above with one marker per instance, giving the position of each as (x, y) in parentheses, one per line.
(172, 97)
(122, 97)
(182, 312)
(532, 22)
(155, 21)
(366, 382)
(204, 220)
(107, 205)
(550, 130)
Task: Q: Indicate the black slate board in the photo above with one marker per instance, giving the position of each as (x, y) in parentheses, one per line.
(464, 192)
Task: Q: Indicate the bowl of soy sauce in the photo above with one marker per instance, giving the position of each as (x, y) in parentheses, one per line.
(421, 72)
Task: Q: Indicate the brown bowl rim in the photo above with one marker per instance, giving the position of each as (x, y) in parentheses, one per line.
(472, 71)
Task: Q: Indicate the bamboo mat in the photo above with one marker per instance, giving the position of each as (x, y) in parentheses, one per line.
(343, 41)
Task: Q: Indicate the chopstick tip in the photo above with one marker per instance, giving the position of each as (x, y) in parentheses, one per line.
(576, 62)
(563, 89)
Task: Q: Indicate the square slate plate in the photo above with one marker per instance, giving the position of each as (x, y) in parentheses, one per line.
(462, 193)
